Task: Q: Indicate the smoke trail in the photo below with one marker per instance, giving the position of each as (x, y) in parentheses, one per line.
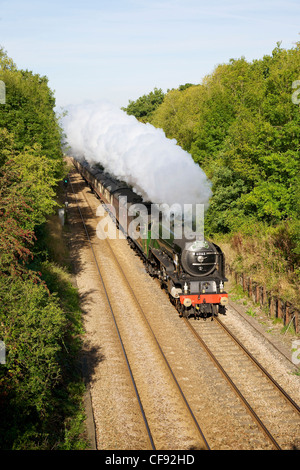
(140, 154)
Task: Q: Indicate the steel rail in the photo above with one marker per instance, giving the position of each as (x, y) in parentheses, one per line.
(244, 318)
(115, 323)
(259, 366)
(233, 386)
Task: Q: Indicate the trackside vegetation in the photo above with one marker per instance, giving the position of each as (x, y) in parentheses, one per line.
(40, 319)
(242, 125)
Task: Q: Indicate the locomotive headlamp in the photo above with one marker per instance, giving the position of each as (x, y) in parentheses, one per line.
(187, 302)
(224, 301)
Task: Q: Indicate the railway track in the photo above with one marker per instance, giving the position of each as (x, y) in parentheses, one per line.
(116, 325)
(262, 396)
(277, 349)
(194, 436)
(205, 411)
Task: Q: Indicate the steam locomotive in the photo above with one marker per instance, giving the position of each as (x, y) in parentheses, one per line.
(191, 271)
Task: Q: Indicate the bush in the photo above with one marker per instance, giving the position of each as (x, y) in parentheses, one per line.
(40, 398)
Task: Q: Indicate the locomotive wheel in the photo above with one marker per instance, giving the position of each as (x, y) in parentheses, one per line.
(150, 269)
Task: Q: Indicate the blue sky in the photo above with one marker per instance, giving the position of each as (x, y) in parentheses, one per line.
(121, 49)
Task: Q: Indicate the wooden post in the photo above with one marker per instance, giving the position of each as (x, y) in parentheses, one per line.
(257, 294)
(244, 282)
(264, 295)
(250, 287)
(297, 319)
(279, 309)
(272, 307)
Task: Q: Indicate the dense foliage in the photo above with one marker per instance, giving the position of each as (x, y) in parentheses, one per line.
(144, 107)
(28, 112)
(38, 327)
(242, 125)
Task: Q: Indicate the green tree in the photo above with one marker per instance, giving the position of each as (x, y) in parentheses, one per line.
(6, 146)
(179, 113)
(33, 326)
(15, 240)
(144, 106)
(29, 113)
(40, 328)
(37, 183)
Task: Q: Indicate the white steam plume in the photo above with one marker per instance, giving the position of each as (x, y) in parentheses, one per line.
(139, 154)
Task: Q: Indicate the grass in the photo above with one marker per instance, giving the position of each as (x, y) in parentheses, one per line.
(268, 255)
(237, 293)
(251, 313)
